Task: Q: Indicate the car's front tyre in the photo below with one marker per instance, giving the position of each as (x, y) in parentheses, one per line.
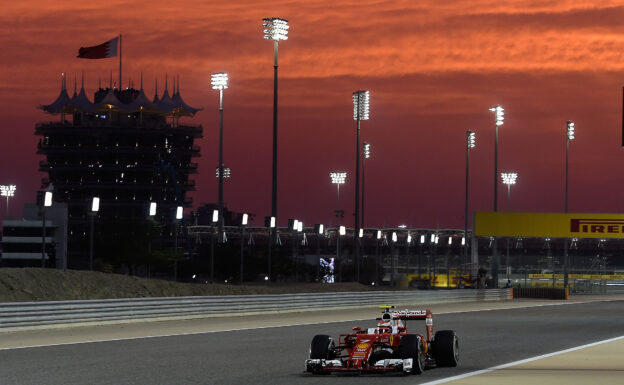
(412, 346)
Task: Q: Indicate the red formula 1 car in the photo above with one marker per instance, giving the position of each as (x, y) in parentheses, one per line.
(387, 347)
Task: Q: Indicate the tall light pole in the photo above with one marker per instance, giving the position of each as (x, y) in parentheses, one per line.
(365, 155)
(509, 179)
(47, 202)
(499, 112)
(338, 178)
(215, 220)
(8, 192)
(470, 144)
(243, 224)
(361, 110)
(219, 82)
(95, 207)
(275, 29)
(569, 137)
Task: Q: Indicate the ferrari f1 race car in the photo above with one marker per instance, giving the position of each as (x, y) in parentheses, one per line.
(385, 348)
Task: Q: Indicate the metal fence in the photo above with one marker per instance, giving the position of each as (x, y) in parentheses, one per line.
(25, 315)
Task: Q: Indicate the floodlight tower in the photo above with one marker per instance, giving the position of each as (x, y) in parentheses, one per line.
(499, 112)
(8, 192)
(365, 155)
(569, 137)
(500, 118)
(470, 144)
(361, 110)
(95, 207)
(275, 29)
(220, 82)
(338, 178)
(509, 178)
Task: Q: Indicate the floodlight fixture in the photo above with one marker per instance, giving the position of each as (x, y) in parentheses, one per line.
(402, 226)
(215, 216)
(47, 199)
(95, 204)
(321, 229)
(394, 236)
(219, 81)
(152, 209)
(272, 224)
(361, 233)
(463, 241)
(342, 230)
(422, 239)
(570, 132)
(378, 234)
(275, 28)
(433, 238)
(7, 191)
(500, 114)
(409, 238)
(437, 239)
(450, 240)
(244, 219)
(366, 151)
(300, 226)
(471, 140)
(338, 177)
(179, 212)
(509, 178)
(226, 172)
(361, 105)
(295, 224)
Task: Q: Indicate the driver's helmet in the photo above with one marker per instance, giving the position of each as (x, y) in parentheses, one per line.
(386, 321)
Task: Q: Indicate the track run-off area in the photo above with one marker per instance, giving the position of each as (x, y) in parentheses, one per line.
(578, 341)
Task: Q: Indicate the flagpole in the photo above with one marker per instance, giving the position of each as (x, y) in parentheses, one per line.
(120, 63)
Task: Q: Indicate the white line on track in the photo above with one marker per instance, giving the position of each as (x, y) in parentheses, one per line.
(281, 326)
(504, 366)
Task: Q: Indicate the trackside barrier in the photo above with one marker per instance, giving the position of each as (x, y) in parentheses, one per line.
(36, 314)
(540, 292)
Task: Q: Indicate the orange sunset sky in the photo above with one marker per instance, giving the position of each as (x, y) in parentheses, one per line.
(433, 69)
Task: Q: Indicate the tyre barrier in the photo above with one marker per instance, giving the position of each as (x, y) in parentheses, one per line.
(24, 315)
(540, 292)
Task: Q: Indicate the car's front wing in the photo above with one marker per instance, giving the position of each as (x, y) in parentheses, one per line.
(387, 365)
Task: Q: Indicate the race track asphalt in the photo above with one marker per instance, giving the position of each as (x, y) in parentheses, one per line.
(276, 355)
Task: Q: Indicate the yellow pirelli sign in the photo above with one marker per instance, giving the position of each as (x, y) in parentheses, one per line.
(556, 225)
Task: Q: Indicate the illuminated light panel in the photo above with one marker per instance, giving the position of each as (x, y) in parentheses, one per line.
(338, 177)
(471, 140)
(509, 178)
(366, 150)
(570, 132)
(275, 28)
(95, 204)
(7, 191)
(361, 105)
(500, 114)
(219, 81)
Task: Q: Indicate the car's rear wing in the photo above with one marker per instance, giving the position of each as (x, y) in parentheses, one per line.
(406, 315)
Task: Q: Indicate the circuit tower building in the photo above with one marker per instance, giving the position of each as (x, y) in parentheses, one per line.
(125, 148)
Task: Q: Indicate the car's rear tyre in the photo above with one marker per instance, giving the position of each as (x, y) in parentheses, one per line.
(446, 348)
(412, 346)
(321, 347)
